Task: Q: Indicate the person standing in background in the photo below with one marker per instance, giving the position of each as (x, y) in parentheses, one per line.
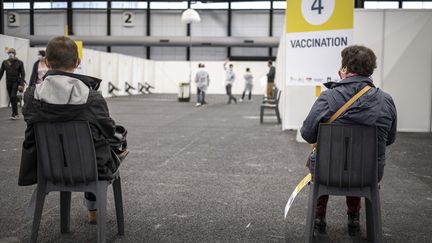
(270, 79)
(229, 81)
(39, 69)
(202, 80)
(15, 75)
(248, 77)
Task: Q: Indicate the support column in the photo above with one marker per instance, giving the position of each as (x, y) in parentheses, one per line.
(229, 27)
(188, 33)
(271, 27)
(69, 18)
(359, 4)
(31, 17)
(108, 22)
(2, 17)
(148, 30)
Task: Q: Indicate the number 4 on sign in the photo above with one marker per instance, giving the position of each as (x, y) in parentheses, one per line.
(319, 7)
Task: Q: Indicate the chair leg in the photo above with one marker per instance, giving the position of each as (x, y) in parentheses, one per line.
(118, 199)
(311, 213)
(101, 200)
(262, 115)
(376, 205)
(40, 199)
(278, 115)
(371, 222)
(65, 205)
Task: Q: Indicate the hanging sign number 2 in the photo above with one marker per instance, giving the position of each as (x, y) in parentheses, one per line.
(317, 12)
(128, 19)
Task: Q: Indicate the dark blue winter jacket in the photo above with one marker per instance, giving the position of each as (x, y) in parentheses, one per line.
(374, 108)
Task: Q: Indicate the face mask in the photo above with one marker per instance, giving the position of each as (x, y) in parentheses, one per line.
(11, 55)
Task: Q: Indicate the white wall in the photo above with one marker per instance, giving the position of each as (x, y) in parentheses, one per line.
(401, 41)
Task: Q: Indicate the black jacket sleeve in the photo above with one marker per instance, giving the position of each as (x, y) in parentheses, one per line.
(271, 74)
(319, 112)
(28, 168)
(392, 133)
(21, 72)
(34, 75)
(2, 69)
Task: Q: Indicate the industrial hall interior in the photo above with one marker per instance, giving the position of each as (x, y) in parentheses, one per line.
(216, 121)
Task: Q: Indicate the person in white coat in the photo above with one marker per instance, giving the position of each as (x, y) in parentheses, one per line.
(229, 80)
(202, 80)
(248, 77)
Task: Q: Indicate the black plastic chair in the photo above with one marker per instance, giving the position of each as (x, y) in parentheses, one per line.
(67, 163)
(346, 165)
(272, 104)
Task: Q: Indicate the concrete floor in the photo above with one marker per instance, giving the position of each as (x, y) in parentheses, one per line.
(214, 174)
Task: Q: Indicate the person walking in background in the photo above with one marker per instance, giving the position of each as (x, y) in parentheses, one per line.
(39, 69)
(270, 79)
(229, 81)
(15, 76)
(248, 77)
(202, 80)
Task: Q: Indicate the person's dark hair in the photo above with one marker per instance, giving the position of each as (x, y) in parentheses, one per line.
(62, 52)
(231, 65)
(270, 62)
(42, 53)
(359, 59)
(247, 69)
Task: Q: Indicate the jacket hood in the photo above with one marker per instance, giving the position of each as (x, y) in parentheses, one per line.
(91, 82)
(62, 90)
(350, 80)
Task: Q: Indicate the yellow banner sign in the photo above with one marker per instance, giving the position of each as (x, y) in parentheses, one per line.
(80, 49)
(317, 15)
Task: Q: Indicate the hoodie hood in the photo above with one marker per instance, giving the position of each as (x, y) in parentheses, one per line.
(62, 88)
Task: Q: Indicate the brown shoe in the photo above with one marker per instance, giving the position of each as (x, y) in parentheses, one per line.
(92, 216)
(123, 154)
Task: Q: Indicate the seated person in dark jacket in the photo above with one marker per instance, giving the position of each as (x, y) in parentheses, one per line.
(374, 108)
(65, 96)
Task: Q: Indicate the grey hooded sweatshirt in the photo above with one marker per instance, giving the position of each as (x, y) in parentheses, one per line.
(374, 108)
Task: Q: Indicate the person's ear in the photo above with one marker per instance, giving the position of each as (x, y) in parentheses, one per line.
(78, 63)
(45, 60)
(344, 69)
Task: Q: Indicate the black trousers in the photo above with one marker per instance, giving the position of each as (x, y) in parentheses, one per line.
(244, 93)
(200, 96)
(228, 92)
(12, 89)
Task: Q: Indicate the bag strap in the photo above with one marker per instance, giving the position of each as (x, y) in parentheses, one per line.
(348, 104)
(345, 107)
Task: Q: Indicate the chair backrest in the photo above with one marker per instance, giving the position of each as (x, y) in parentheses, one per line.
(274, 92)
(346, 156)
(277, 97)
(66, 154)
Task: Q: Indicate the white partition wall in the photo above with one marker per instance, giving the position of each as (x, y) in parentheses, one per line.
(138, 69)
(407, 72)
(108, 68)
(124, 73)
